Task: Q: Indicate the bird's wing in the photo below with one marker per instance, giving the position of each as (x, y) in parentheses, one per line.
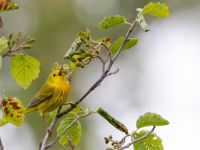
(45, 93)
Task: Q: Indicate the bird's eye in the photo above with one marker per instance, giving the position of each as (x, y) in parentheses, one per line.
(54, 75)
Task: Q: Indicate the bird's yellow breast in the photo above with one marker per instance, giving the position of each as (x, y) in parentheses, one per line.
(61, 91)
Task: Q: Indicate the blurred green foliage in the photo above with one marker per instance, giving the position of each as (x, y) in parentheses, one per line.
(53, 25)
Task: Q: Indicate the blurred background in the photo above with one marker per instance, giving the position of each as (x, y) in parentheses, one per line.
(161, 74)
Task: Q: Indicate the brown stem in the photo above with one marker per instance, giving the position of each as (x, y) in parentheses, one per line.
(1, 22)
(139, 139)
(1, 145)
(66, 128)
(104, 74)
(93, 87)
(13, 50)
(46, 137)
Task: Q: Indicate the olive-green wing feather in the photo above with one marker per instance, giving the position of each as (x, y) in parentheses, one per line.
(45, 93)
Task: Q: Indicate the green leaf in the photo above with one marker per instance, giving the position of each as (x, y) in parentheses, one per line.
(76, 111)
(13, 111)
(30, 39)
(116, 45)
(142, 22)
(156, 9)
(26, 46)
(24, 69)
(151, 119)
(73, 134)
(109, 22)
(105, 40)
(84, 36)
(130, 43)
(3, 44)
(73, 65)
(74, 48)
(112, 120)
(3, 121)
(151, 142)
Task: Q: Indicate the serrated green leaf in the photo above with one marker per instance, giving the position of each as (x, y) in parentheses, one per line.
(156, 9)
(109, 22)
(73, 134)
(151, 142)
(3, 121)
(114, 122)
(76, 111)
(3, 44)
(130, 43)
(24, 69)
(13, 111)
(142, 22)
(151, 119)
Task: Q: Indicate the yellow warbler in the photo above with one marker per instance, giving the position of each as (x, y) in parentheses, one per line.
(53, 93)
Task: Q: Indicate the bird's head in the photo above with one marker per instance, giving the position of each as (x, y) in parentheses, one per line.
(60, 74)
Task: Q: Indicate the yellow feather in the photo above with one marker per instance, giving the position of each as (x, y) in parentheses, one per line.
(53, 94)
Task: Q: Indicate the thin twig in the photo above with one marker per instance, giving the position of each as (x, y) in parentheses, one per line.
(72, 147)
(128, 23)
(1, 145)
(46, 137)
(124, 138)
(114, 72)
(125, 39)
(93, 87)
(102, 61)
(66, 128)
(138, 139)
(104, 74)
(13, 50)
(108, 50)
(1, 22)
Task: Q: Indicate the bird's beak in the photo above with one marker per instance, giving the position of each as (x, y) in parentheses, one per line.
(60, 72)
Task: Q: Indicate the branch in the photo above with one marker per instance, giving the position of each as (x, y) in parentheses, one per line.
(114, 72)
(139, 139)
(1, 145)
(1, 25)
(92, 88)
(13, 50)
(69, 126)
(102, 61)
(46, 137)
(104, 74)
(108, 51)
(125, 39)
